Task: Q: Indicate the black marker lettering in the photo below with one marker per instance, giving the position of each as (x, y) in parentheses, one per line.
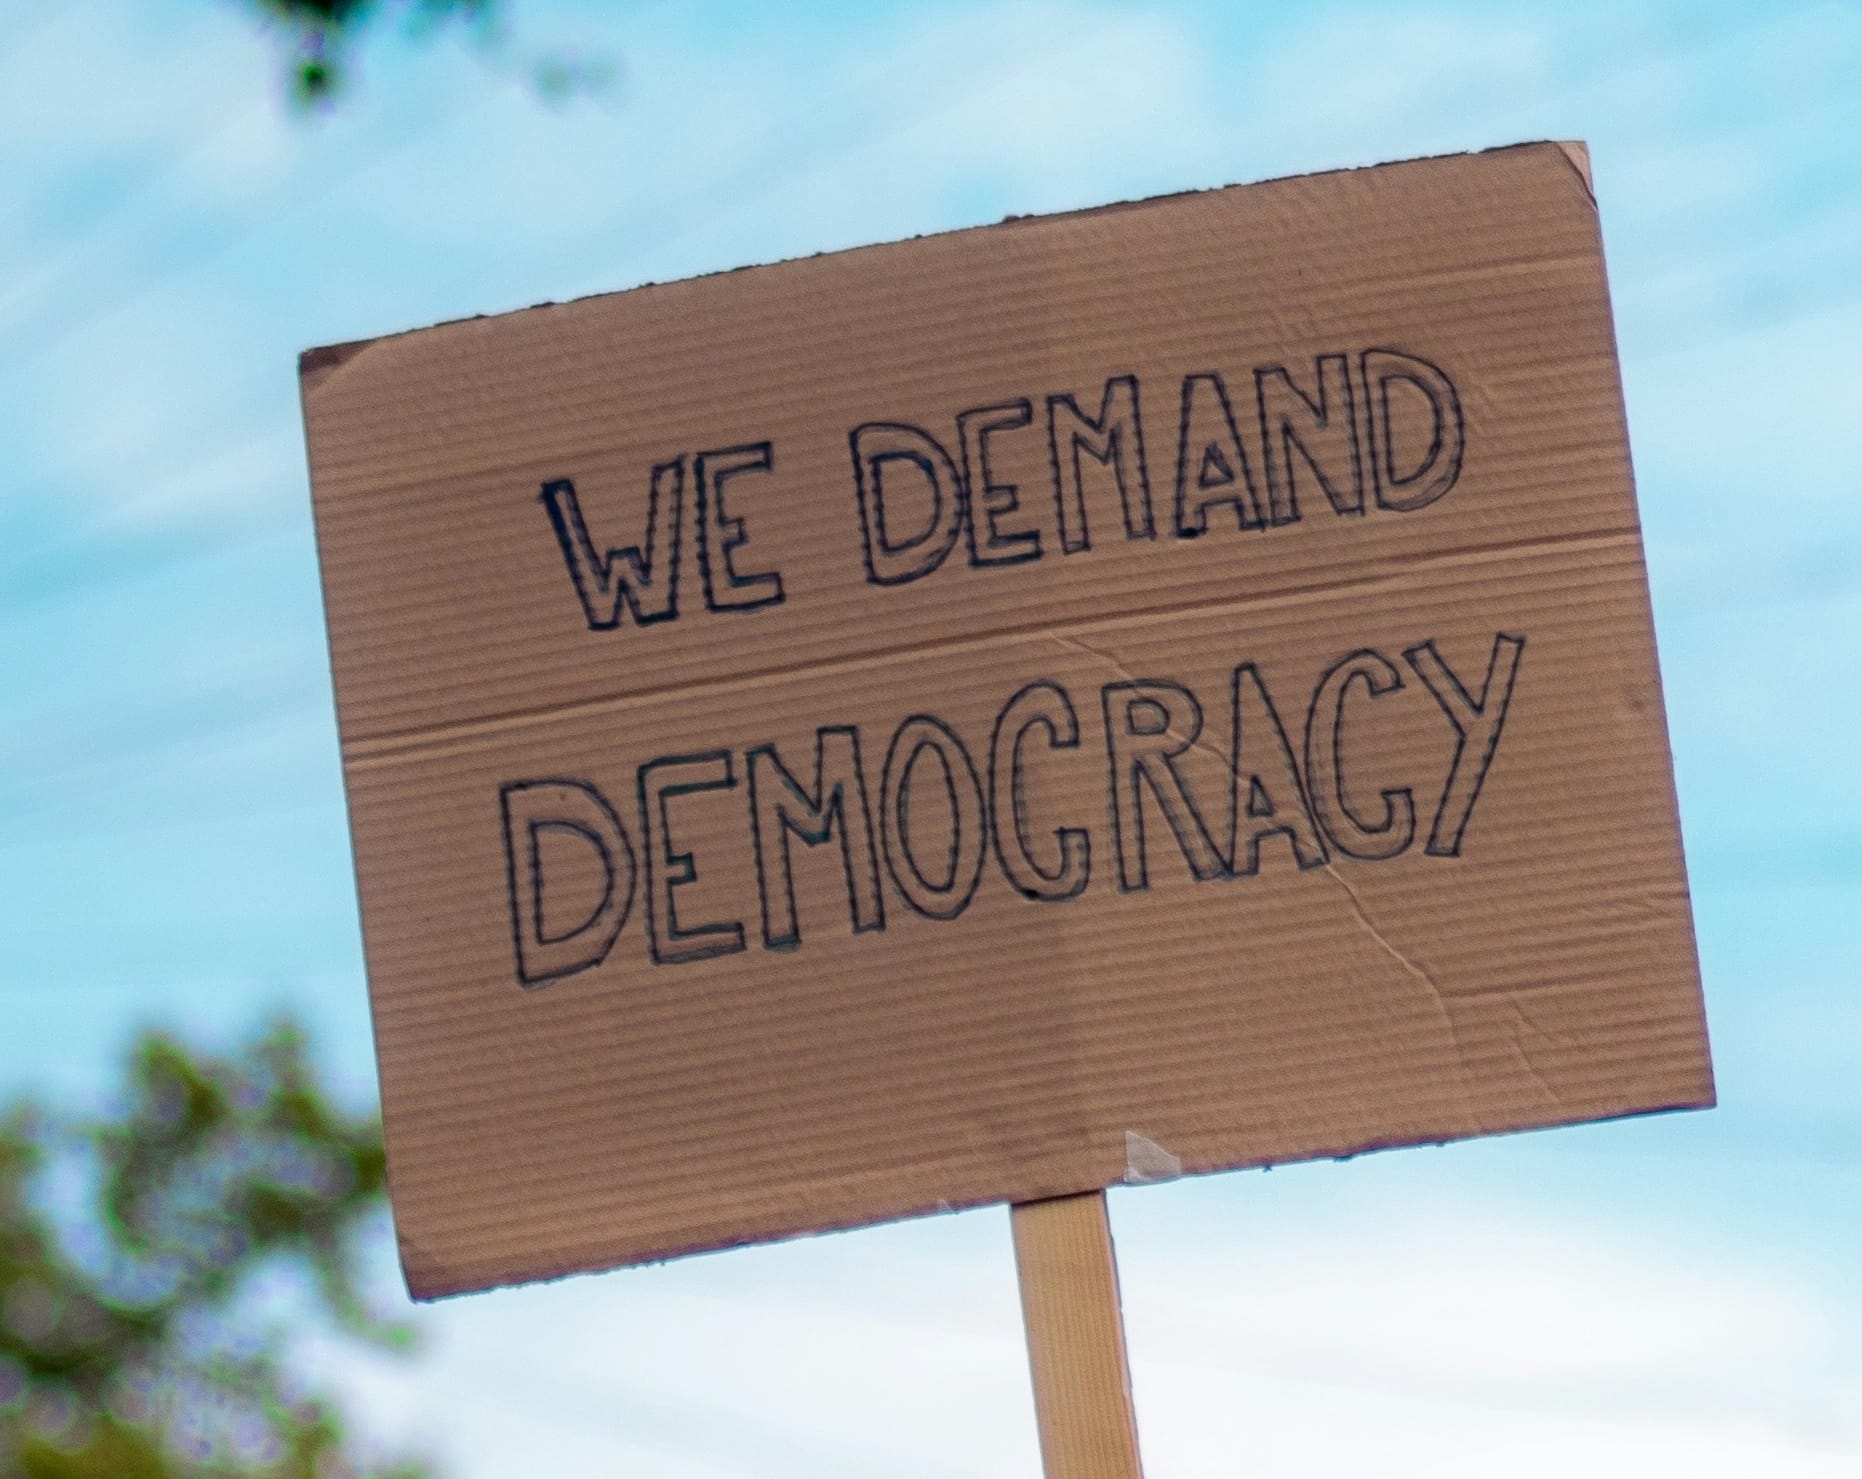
(1268, 798)
(1324, 433)
(1115, 439)
(1434, 473)
(838, 802)
(884, 450)
(1150, 723)
(726, 587)
(668, 869)
(1325, 764)
(645, 584)
(545, 950)
(1212, 463)
(902, 792)
(1040, 705)
(987, 499)
(1477, 722)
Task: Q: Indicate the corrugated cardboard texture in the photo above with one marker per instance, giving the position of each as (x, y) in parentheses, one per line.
(1003, 529)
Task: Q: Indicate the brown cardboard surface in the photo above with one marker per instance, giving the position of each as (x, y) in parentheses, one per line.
(1057, 933)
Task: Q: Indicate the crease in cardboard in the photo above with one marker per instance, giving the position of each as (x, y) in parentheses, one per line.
(1126, 674)
(364, 752)
(1521, 1026)
(1069, 643)
(1437, 996)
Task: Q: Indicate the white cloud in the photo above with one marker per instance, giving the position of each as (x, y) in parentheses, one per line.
(114, 116)
(1054, 105)
(1434, 1345)
(1368, 83)
(1493, 1310)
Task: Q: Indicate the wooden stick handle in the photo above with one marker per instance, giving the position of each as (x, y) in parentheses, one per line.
(1076, 1338)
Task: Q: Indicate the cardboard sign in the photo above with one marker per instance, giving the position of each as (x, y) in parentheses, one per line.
(1104, 696)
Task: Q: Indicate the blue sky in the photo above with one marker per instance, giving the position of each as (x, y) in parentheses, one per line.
(1674, 1295)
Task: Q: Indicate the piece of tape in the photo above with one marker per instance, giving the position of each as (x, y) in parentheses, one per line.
(1146, 1160)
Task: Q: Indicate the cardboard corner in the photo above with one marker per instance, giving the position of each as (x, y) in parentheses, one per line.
(314, 366)
(427, 1279)
(1577, 155)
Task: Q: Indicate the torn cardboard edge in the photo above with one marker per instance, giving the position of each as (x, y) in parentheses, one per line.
(318, 364)
(375, 751)
(432, 1279)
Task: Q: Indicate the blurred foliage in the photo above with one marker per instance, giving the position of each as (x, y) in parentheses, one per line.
(154, 1258)
(321, 36)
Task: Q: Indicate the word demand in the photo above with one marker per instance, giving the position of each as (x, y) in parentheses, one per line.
(1381, 429)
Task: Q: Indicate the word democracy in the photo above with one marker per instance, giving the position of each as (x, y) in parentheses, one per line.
(877, 798)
